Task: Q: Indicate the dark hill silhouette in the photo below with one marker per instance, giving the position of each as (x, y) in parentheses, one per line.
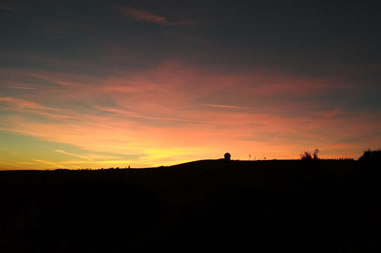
(371, 156)
(264, 206)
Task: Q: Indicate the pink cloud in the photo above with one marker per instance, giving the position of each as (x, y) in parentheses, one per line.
(164, 90)
(170, 113)
(147, 16)
(132, 114)
(21, 88)
(24, 104)
(143, 15)
(161, 92)
(226, 106)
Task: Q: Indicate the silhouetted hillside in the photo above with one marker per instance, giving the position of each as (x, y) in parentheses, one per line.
(264, 206)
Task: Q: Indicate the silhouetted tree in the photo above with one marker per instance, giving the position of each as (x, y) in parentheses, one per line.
(315, 155)
(306, 156)
(227, 156)
(310, 156)
(371, 156)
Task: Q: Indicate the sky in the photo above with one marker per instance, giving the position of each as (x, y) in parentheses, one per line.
(100, 84)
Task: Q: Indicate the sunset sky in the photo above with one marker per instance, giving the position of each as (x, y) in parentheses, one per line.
(92, 84)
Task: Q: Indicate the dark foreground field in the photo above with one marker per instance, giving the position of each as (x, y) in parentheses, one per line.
(262, 206)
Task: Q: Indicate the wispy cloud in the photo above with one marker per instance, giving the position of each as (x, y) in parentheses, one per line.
(24, 104)
(227, 106)
(136, 115)
(72, 154)
(49, 164)
(21, 88)
(148, 16)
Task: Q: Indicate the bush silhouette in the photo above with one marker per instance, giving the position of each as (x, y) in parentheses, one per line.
(227, 156)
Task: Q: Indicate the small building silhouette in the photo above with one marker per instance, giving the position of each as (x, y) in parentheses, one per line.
(227, 156)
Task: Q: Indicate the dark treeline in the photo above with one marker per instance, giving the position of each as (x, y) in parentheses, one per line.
(264, 206)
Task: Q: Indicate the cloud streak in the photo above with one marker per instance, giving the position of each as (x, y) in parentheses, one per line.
(72, 154)
(27, 107)
(227, 106)
(149, 17)
(24, 104)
